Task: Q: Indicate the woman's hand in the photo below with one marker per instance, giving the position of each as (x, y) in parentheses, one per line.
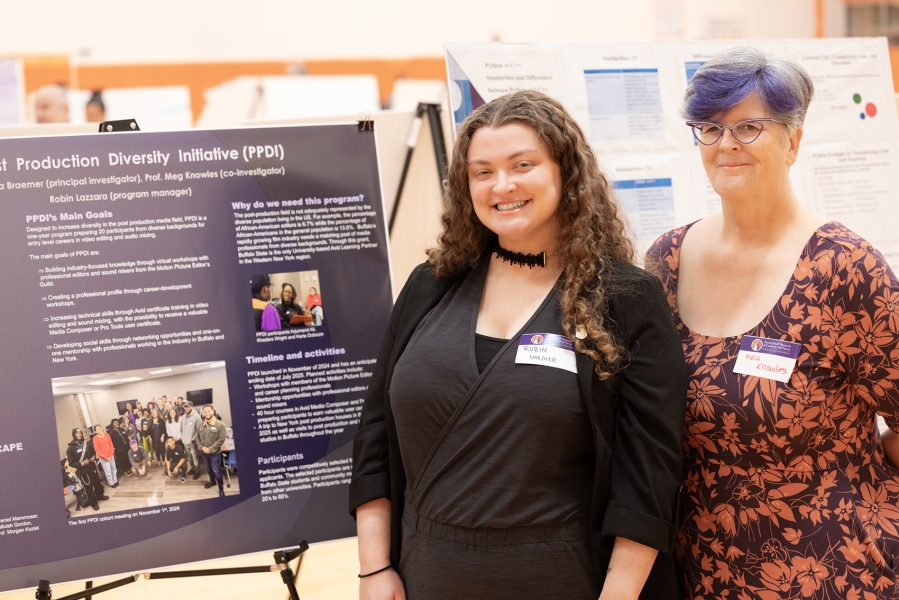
(383, 586)
(629, 567)
(373, 530)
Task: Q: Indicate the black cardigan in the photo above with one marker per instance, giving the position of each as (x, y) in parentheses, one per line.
(637, 420)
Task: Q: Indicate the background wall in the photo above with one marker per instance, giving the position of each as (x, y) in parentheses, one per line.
(168, 30)
(107, 31)
(67, 419)
(102, 407)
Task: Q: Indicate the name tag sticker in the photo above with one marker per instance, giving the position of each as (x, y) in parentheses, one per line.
(546, 349)
(763, 357)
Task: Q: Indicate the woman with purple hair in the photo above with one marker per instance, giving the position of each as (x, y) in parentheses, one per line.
(790, 326)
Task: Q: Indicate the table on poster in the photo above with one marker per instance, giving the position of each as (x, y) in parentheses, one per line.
(128, 260)
(627, 99)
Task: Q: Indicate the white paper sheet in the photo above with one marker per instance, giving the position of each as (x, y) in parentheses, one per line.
(478, 73)
(854, 98)
(625, 96)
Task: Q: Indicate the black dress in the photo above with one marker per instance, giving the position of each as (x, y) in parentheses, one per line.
(635, 418)
(157, 434)
(120, 444)
(490, 488)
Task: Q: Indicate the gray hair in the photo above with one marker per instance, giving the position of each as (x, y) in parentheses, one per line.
(783, 86)
(55, 91)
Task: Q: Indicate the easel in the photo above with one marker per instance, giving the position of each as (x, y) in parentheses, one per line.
(438, 141)
(282, 565)
(283, 558)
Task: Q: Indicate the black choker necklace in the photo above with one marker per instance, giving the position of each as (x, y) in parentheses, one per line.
(520, 258)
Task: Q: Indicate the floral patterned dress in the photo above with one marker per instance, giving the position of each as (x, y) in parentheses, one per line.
(787, 491)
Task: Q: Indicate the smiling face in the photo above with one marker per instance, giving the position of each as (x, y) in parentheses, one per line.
(99, 430)
(208, 413)
(515, 187)
(287, 294)
(736, 169)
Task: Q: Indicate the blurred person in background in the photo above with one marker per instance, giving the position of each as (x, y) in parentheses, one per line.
(95, 110)
(51, 104)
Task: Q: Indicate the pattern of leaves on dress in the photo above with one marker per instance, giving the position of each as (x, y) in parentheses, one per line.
(787, 493)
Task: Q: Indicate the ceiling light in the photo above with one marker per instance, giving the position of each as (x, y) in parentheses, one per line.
(103, 382)
(127, 379)
(161, 371)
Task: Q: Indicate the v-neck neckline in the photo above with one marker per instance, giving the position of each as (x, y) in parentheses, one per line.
(481, 273)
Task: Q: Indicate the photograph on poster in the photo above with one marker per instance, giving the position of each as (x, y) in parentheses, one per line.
(286, 305)
(145, 437)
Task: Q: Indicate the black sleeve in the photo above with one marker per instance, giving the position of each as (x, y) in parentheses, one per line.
(649, 418)
(72, 456)
(371, 461)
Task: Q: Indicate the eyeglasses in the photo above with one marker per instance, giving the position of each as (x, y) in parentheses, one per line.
(744, 132)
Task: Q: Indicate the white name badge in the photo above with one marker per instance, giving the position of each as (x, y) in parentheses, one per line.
(546, 349)
(764, 357)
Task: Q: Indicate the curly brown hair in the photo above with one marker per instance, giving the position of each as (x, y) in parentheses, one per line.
(592, 231)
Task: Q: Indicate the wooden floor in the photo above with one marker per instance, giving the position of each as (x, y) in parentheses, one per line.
(153, 489)
(328, 573)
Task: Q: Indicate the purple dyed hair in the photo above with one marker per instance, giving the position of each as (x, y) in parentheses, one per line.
(783, 86)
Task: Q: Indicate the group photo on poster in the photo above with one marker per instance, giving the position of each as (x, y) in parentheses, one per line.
(120, 452)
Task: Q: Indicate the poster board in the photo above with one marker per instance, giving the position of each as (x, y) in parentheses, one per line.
(418, 218)
(133, 283)
(627, 99)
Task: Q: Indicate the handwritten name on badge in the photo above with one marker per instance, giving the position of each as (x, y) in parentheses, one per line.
(763, 357)
(546, 349)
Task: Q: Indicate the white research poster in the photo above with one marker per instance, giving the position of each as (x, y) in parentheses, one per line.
(627, 99)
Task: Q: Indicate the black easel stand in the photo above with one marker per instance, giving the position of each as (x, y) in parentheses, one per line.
(437, 139)
(282, 564)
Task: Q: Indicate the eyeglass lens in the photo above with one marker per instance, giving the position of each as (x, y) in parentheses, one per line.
(745, 132)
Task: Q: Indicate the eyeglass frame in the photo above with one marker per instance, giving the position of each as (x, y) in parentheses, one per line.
(694, 124)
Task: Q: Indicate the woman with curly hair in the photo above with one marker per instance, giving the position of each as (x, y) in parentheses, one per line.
(521, 433)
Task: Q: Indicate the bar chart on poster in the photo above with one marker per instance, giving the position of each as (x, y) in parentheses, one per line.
(627, 99)
(196, 316)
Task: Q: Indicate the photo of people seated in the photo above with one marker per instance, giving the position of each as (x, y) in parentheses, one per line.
(284, 301)
(144, 438)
